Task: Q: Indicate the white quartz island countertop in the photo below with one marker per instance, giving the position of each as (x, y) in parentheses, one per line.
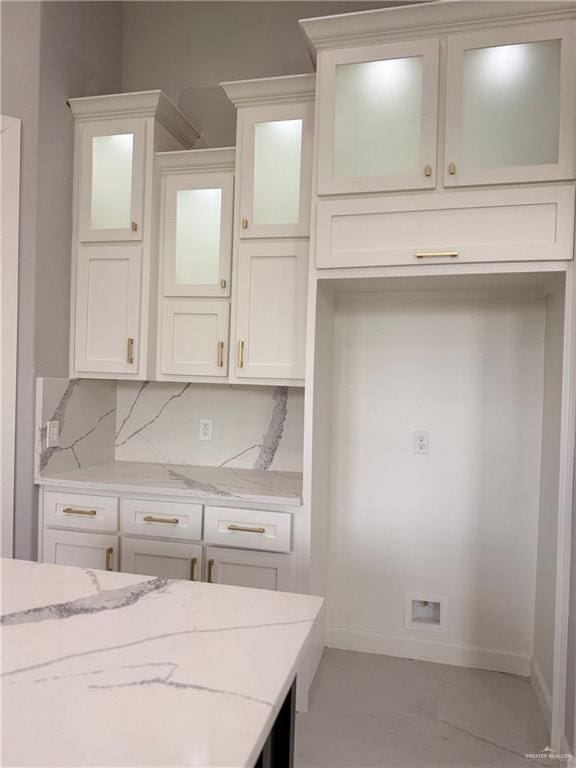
(215, 483)
(112, 669)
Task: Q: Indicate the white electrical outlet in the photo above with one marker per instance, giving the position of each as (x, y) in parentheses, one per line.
(205, 431)
(421, 442)
(52, 433)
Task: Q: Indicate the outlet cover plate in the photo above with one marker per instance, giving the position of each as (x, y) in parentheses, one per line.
(205, 429)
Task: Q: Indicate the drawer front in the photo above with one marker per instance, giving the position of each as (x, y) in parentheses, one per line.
(248, 528)
(449, 227)
(80, 511)
(161, 519)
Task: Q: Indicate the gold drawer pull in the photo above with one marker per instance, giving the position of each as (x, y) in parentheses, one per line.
(452, 169)
(109, 558)
(222, 283)
(240, 354)
(209, 578)
(130, 351)
(246, 528)
(85, 512)
(427, 170)
(436, 254)
(220, 354)
(193, 562)
(244, 223)
(152, 519)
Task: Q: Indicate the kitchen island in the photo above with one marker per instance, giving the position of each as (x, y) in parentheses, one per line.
(103, 668)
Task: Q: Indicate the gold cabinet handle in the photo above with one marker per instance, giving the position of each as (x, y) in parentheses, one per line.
(244, 223)
(427, 170)
(210, 575)
(85, 512)
(109, 558)
(193, 562)
(452, 169)
(220, 354)
(436, 254)
(130, 351)
(152, 519)
(240, 354)
(246, 528)
(134, 227)
(223, 283)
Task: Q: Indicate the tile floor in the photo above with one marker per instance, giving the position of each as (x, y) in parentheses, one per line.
(369, 711)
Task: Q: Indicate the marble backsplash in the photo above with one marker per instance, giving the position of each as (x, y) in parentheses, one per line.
(85, 410)
(253, 427)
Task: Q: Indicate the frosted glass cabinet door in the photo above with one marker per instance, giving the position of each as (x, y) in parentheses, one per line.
(107, 309)
(197, 234)
(111, 178)
(276, 170)
(510, 105)
(378, 115)
(271, 309)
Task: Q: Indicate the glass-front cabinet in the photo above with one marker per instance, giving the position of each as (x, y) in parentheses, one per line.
(510, 105)
(276, 162)
(111, 181)
(197, 233)
(378, 118)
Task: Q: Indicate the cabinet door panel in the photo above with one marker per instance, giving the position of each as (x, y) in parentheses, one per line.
(111, 181)
(276, 170)
(271, 309)
(197, 234)
(86, 550)
(510, 105)
(243, 568)
(378, 115)
(168, 559)
(107, 308)
(195, 337)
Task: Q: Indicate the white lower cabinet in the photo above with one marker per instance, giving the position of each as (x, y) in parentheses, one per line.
(245, 568)
(87, 550)
(170, 559)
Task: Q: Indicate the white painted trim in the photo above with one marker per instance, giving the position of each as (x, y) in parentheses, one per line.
(428, 650)
(138, 104)
(271, 90)
(412, 21)
(542, 691)
(10, 130)
(216, 159)
(564, 531)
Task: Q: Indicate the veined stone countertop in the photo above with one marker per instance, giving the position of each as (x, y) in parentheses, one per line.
(214, 483)
(113, 669)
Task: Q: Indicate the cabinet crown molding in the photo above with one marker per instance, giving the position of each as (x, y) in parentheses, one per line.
(271, 90)
(138, 104)
(428, 18)
(218, 159)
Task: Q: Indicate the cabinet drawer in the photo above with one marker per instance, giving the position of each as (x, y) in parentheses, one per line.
(499, 225)
(81, 511)
(161, 519)
(248, 528)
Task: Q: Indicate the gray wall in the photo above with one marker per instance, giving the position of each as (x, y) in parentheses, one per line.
(50, 51)
(187, 49)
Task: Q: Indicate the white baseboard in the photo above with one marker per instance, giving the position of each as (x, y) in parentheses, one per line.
(428, 650)
(542, 692)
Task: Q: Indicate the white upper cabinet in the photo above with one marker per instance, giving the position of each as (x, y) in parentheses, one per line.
(274, 162)
(484, 89)
(377, 118)
(108, 285)
(510, 105)
(271, 309)
(115, 203)
(111, 181)
(197, 190)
